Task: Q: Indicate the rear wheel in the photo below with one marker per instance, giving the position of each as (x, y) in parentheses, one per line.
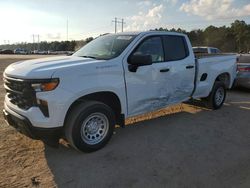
(217, 96)
(89, 126)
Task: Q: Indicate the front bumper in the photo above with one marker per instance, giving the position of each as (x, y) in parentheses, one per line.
(24, 126)
(58, 105)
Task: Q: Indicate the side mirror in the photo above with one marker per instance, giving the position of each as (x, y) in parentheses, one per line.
(136, 61)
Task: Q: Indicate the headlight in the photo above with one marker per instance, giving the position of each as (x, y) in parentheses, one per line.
(45, 85)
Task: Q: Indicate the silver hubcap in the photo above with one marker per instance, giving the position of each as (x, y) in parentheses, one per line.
(219, 96)
(94, 128)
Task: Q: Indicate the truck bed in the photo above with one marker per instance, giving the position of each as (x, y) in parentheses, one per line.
(209, 67)
(203, 55)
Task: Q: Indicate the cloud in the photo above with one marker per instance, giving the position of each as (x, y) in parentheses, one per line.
(171, 2)
(52, 36)
(145, 20)
(144, 3)
(214, 9)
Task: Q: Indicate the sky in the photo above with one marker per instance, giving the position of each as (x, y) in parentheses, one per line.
(21, 21)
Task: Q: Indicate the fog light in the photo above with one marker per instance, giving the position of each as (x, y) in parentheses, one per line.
(43, 106)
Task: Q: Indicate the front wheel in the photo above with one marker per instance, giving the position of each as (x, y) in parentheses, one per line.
(217, 96)
(89, 126)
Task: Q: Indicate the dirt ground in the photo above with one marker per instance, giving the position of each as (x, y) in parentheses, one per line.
(182, 146)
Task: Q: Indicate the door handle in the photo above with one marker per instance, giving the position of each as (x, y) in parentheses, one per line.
(190, 67)
(164, 70)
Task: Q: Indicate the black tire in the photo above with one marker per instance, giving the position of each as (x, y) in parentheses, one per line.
(77, 130)
(212, 101)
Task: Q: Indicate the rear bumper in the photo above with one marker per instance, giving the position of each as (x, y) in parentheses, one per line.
(24, 126)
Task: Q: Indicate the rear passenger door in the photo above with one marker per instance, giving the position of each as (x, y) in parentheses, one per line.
(182, 68)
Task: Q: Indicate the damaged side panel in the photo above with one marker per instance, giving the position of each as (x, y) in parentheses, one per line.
(148, 89)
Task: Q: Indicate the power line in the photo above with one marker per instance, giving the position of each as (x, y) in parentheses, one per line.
(34, 37)
(118, 21)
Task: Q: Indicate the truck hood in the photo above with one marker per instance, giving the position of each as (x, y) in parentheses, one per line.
(45, 67)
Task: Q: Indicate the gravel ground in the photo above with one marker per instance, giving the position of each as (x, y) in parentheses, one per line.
(181, 146)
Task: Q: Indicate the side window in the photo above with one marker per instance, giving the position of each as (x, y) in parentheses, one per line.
(213, 51)
(151, 46)
(175, 48)
(217, 50)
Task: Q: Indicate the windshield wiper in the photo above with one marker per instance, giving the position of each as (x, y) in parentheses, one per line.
(88, 56)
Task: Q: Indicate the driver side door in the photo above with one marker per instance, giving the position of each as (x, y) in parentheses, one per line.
(147, 87)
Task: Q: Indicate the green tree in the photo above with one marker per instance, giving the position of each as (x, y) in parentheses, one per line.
(242, 35)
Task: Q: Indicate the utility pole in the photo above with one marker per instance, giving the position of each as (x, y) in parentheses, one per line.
(122, 23)
(115, 25)
(33, 37)
(35, 44)
(38, 40)
(67, 29)
(117, 21)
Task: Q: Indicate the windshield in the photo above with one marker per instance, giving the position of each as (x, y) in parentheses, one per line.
(105, 47)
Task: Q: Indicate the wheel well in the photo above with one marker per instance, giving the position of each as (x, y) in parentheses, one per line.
(225, 78)
(108, 98)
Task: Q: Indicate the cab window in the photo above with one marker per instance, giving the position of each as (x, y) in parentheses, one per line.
(151, 46)
(175, 48)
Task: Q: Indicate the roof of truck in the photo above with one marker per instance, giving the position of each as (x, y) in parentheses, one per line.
(149, 32)
(204, 47)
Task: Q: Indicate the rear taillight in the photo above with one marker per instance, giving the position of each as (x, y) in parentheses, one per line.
(243, 69)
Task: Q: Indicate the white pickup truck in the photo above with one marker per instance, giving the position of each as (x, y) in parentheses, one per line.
(82, 97)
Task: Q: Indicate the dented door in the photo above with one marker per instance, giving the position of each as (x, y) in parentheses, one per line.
(165, 82)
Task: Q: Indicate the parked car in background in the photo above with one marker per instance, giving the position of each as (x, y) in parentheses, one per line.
(39, 52)
(20, 51)
(50, 52)
(42, 52)
(206, 50)
(243, 75)
(6, 51)
(34, 52)
(70, 53)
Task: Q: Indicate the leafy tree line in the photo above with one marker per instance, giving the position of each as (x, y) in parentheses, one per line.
(235, 38)
(51, 46)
